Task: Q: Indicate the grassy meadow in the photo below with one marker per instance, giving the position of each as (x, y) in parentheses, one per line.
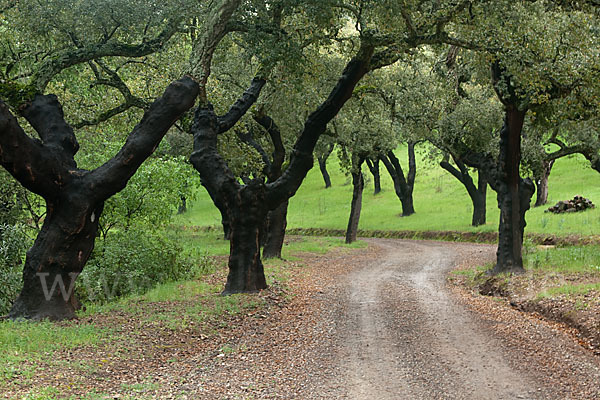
(441, 202)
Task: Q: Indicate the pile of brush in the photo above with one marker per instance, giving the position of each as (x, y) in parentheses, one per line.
(579, 203)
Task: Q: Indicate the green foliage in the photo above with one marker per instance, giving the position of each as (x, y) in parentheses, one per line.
(13, 243)
(16, 94)
(151, 196)
(130, 262)
(10, 194)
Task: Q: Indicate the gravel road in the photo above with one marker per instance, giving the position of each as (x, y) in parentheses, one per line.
(403, 335)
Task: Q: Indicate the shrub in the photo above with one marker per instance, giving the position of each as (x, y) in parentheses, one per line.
(13, 244)
(131, 262)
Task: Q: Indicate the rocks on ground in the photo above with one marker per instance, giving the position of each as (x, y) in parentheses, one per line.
(578, 203)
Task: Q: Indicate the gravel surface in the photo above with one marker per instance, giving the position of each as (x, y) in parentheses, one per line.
(407, 339)
(384, 325)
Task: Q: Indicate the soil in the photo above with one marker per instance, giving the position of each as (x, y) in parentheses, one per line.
(374, 323)
(579, 311)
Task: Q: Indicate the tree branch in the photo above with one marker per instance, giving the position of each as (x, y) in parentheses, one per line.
(45, 114)
(278, 149)
(241, 106)
(301, 160)
(204, 48)
(116, 82)
(26, 158)
(248, 138)
(68, 58)
(113, 175)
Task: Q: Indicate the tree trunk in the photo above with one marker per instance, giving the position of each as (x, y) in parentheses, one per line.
(514, 195)
(480, 201)
(542, 184)
(277, 222)
(244, 206)
(74, 197)
(247, 206)
(57, 257)
(403, 186)
(246, 272)
(358, 185)
(182, 209)
(477, 194)
(324, 172)
(374, 168)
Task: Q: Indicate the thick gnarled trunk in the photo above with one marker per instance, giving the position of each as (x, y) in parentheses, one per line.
(510, 232)
(74, 197)
(514, 195)
(57, 257)
(246, 216)
(246, 272)
(358, 185)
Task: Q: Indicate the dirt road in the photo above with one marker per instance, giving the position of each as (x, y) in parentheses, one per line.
(377, 323)
(385, 325)
(404, 336)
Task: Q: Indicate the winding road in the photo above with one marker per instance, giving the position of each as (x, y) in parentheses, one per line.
(404, 336)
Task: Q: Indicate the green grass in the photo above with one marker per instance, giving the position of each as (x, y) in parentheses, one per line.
(441, 202)
(569, 290)
(31, 341)
(28, 347)
(213, 306)
(572, 259)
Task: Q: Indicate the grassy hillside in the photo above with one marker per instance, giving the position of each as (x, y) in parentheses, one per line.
(441, 202)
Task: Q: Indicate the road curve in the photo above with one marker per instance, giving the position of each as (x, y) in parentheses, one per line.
(404, 336)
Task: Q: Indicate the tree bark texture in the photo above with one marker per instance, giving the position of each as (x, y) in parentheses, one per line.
(247, 214)
(275, 233)
(358, 185)
(514, 195)
(403, 186)
(541, 184)
(243, 205)
(74, 197)
(480, 205)
(476, 193)
(374, 168)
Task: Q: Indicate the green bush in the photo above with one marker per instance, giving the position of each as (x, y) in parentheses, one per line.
(13, 244)
(131, 262)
